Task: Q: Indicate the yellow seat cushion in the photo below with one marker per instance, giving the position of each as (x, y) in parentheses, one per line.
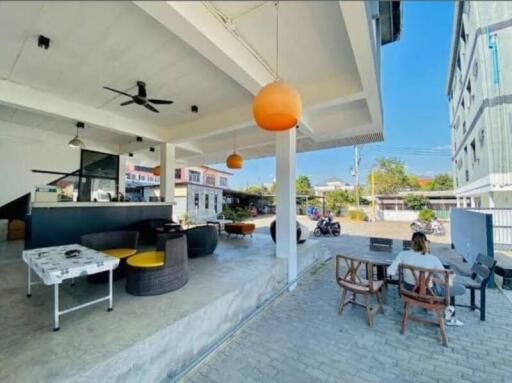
(147, 259)
(120, 253)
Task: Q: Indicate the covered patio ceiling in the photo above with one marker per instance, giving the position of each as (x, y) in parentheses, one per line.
(216, 55)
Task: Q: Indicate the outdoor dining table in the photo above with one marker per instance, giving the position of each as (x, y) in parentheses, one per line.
(53, 266)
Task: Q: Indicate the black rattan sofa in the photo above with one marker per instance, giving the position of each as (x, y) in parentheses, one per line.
(120, 244)
(201, 240)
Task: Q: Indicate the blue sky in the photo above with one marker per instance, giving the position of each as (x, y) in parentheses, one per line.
(414, 72)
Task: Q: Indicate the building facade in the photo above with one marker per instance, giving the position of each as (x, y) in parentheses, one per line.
(332, 184)
(198, 190)
(480, 102)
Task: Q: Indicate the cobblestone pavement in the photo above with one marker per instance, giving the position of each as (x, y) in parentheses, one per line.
(301, 338)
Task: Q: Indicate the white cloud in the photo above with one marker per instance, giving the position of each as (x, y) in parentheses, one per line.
(442, 147)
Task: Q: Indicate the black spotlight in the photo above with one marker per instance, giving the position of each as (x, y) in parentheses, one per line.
(139, 139)
(151, 149)
(130, 154)
(297, 127)
(194, 108)
(43, 42)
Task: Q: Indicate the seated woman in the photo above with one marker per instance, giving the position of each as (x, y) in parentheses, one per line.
(420, 256)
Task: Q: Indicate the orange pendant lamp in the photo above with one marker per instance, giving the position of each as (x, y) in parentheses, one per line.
(156, 170)
(277, 106)
(234, 160)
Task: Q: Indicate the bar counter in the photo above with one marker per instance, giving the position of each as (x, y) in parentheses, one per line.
(62, 223)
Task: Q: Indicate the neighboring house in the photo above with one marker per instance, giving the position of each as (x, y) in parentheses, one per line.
(332, 184)
(437, 200)
(480, 93)
(198, 190)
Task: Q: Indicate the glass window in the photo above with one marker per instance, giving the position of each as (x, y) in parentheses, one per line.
(177, 174)
(207, 201)
(96, 164)
(194, 176)
(216, 203)
(210, 180)
(196, 200)
(223, 181)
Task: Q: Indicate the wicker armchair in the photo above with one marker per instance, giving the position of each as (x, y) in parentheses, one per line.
(201, 241)
(161, 271)
(119, 244)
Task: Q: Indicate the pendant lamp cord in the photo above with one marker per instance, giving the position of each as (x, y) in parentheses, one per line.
(277, 40)
(234, 142)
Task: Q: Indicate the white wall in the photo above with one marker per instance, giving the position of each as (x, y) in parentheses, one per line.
(397, 215)
(23, 148)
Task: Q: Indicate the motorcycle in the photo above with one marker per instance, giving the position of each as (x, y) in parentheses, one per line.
(434, 227)
(327, 227)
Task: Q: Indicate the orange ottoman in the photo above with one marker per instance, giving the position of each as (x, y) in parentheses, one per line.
(240, 228)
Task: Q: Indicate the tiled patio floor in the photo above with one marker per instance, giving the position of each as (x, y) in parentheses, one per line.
(301, 338)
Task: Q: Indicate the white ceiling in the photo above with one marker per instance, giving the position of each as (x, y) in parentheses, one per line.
(116, 43)
(60, 125)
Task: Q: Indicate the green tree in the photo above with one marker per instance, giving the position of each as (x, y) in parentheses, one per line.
(413, 182)
(337, 199)
(303, 186)
(389, 175)
(441, 181)
(415, 202)
(256, 189)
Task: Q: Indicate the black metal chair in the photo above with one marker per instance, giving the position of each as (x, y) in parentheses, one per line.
(161, 271)
(201, 240)
(481, 271)
(119, 244)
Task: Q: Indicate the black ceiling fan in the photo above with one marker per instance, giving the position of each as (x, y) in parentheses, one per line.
(141, 97)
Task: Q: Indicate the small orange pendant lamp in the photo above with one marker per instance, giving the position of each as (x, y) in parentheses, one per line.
(234, 160)
(156, 170)
(277, 106)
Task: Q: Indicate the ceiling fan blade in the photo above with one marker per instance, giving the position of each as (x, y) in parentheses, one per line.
(142, 89)
(117, 91)
(127, 102)
(152, 108)
(154, 101)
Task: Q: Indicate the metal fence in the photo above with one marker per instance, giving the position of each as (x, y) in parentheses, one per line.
(501, 225)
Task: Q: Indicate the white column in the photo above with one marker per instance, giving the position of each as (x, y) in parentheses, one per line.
(459, 204)
(492, 203)
(286, 235)
(121, 186)
(472, 201)
(167, 164)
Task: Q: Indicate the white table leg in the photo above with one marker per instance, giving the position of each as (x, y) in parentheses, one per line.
(29, 290)
(110, 278)
(56, 307)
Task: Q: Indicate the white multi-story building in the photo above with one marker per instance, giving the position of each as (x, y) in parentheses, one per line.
(332, 184)
(480, 97)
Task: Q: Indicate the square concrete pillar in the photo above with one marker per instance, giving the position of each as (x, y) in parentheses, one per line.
(286, 237)
(121, 186)
(167, 165)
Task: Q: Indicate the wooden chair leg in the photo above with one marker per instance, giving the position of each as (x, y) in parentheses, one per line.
(442, 329)
(341, 306)
(368, 310)
(405, 315)
(379, 299)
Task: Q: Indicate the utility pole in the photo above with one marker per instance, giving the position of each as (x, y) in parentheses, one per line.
(374, 217)
(357, 159)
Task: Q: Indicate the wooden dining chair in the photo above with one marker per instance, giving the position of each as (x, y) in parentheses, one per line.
(422, 295)
(350, 282)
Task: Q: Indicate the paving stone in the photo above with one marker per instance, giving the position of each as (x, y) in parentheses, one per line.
(301, 338)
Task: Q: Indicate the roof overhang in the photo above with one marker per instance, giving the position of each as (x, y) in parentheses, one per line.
(213, 54)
